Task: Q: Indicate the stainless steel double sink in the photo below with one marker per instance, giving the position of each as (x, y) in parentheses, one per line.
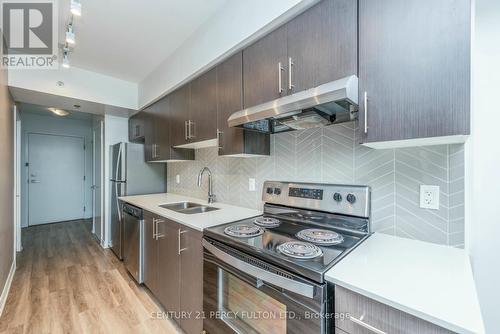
(188, 208)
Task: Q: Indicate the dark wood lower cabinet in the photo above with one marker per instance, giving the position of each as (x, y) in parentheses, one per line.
(174, 270)
(191, 283)
(168, 265)
(150, 253)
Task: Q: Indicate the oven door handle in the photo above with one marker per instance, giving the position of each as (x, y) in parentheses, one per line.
(300, 288)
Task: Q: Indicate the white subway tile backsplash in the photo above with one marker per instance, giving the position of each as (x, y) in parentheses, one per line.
(332, 155)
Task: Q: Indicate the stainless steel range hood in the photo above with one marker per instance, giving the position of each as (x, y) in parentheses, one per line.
(330, 103)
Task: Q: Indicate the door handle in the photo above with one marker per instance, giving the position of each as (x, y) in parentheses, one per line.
(219, 136)
(366, 111)
(365, 325)
(179, 241)
(192, 134)
(159, 235)
(259, 273)
(290, 65)
(280, 86)
(35, 181)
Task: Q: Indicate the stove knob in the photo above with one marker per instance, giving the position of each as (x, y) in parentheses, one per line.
(337, 197)
(269, 191)
(351, 198)
(277, 191)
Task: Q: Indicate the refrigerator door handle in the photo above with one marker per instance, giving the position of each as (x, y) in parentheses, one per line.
(118, 162)
(118, 201)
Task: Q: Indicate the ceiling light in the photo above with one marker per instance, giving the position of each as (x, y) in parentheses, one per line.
(76, 7)
(70, 35)
(65, 62)
(59, 112)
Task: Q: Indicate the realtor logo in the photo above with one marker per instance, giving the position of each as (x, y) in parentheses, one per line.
(29, 34)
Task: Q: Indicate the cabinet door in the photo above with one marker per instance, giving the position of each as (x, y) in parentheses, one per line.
(150, 253)
(179, 115)
(191, 284)
(136, 128)
(169, 265)
(261, 71)
(161, 126)
(322, 44)
(148, 119)
(229, 100)
(414, 66)
(203, 107)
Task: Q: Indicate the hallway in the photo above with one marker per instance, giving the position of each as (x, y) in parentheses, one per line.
(66, 283)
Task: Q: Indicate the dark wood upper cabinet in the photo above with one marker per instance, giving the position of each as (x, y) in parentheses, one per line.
(179, 115)
(414, 65)
(322, 44)
(136, 128)
(148, 121)
(233, 141)
(264, 62)
(203, 107)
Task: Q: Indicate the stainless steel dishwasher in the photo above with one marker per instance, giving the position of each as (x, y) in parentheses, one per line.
(133, 241)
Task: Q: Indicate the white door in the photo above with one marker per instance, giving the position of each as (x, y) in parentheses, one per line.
(56, 178)
(97, 188)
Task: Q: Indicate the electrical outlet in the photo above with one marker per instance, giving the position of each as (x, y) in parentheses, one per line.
(251, 184)
(429, 197)
(177, 179)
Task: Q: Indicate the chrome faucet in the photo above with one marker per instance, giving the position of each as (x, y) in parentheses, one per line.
(211, 196)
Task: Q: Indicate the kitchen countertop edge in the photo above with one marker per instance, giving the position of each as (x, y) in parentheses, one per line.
(199, 221)
(339, 275)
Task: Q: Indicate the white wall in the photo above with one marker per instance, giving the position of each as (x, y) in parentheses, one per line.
(31, 122)
(236, 24)
(78, 84)
(115, 131)
(483, 162)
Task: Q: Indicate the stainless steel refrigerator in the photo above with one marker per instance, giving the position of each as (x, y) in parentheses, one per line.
(130, 175)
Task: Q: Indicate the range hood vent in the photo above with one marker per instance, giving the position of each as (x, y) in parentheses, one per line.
(330, 103)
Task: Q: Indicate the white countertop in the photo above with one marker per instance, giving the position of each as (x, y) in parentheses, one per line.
(429, 281)
(198, 221)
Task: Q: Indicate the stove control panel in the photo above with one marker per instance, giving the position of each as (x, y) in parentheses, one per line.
(306, 193)
(351, 200)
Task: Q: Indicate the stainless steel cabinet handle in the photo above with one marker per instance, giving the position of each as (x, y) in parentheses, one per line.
(290, 65)
(154, 228)
(186, 130)
(192, 133)
(179, 241)
(365, 325)
(137, 131)
(35, 181)
(366, 111)
(280, 70)
(159, 235)
(219, 135)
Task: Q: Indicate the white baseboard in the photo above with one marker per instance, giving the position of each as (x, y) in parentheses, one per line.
(6, 288)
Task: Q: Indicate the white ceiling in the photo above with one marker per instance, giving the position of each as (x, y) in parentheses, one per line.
(128, 39)
(44, 111)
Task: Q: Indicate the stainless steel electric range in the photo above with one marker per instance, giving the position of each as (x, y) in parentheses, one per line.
(266, 274)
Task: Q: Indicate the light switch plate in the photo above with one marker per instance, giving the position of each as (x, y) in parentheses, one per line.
(251, 184)
(429, 197)
(177, 179)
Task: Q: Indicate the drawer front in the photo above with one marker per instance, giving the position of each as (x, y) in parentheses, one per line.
(372, 317)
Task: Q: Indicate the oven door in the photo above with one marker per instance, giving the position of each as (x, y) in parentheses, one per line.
(243, 294)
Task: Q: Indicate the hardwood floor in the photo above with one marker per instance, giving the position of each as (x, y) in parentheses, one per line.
(66, 283)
